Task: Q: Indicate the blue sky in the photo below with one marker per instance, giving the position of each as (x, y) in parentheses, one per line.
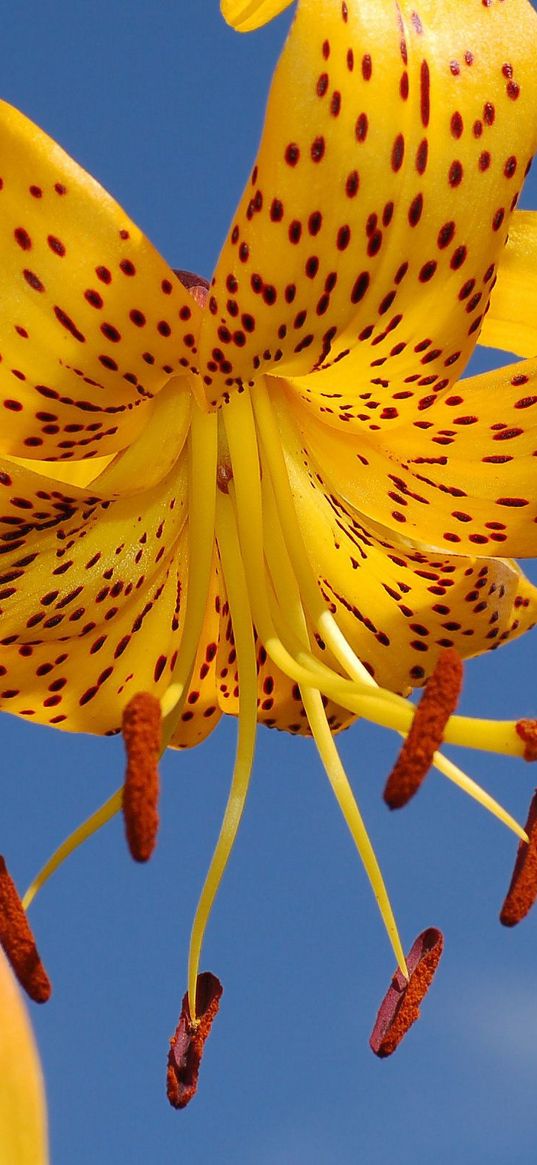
(164, 105)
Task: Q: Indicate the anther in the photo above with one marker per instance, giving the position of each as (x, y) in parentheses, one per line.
(527, 730)
(224, 474)
(188, 1042)
(18, 941)
(195, 284)
(523, 889)
(437, 704)
(400, 1007)
(142, 736)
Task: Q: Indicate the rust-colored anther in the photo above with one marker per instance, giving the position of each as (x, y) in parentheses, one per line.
(523, 889)
(400, 1007)
(18, 941)
(142, 735)
(426, 734)
(195, 284)
(186, 1046)
(527, 730)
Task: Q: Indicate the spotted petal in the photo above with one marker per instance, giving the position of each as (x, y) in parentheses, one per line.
(461, 473)
(385, 591)
(511, 322)
(92, 321)
(394, 147)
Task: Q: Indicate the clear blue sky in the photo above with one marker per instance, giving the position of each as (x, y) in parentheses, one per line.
(164, 105)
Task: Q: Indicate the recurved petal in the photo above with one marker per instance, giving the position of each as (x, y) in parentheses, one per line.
(23, 1133)
(511, 321)
(461, 474)
(247, 15)
(91, 596)
(93, 321)
(394, 147)
(385, 591)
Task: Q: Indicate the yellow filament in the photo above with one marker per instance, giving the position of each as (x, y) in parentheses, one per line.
(239, 605)
(202, 490)
(71, 843)
(275, 461)
(287, 592)
(345, 798)
(464, 782)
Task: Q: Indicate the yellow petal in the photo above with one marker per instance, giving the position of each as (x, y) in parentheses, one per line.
(246, 15)
(93, 321)
(91, 597)
(461, 473)
(23, 1135)
(393, 149)
(511, 321)
(398, 603)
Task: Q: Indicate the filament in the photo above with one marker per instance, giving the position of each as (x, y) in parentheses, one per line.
(201, 519)
(79, 835)
(239, 605)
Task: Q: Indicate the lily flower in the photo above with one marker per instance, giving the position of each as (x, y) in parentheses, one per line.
(23, 1132)
(273, 496)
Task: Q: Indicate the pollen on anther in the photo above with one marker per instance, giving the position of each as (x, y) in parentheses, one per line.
(437, 704)
(188, 1042)
(527, 731)
(522, 891)
(400, 1007)
(141, 730)
(18, 941)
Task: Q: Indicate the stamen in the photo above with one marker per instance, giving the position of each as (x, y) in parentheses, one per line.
(79, 835)
(203, 447)
(18, 941)
(527, 730)
(523, 889)
(241, 619)
(287, 594)
(400, 1007)
(427, 731)
(187, 1045)
(141, 733)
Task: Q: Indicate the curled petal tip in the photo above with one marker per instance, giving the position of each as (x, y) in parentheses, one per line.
(523, 888)
(142, 736)
(400, 1007)
(247, 15)
(18, 941)
(188, 1042)
(437, 704)
(527, 730)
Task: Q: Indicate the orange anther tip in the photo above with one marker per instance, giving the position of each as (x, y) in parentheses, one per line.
(400, 1007)
(142, 736)
(187, 1045)
(523, 889)
(426, 734)
(527, 730)
(18, 941)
